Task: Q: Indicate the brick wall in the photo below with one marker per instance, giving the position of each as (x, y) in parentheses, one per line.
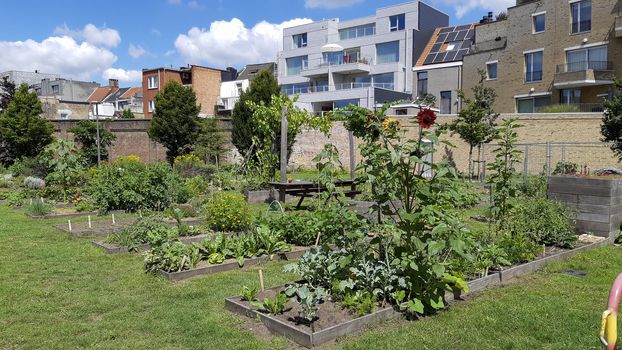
(206, 85)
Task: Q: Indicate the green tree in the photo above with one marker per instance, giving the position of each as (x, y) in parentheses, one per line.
(476, 122)
(24, 132)
(175, 122)
(210, 144)
(261, 89)
(85, 133)
(7, 91)
(611, 129)
(127, 114)
(65, 163)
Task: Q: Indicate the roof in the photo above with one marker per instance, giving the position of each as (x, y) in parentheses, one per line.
(250, 71)
(131, 92)
(100, 94)
(181, 69)
(448, 44)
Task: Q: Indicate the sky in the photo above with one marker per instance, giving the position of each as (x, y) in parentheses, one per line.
(98, 40)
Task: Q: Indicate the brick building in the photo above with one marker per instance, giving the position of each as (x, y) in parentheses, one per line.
(549, 52)
(204, 81)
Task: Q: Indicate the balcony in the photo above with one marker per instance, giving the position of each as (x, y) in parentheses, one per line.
(337, 87)
(346, 64)
(589, 73)
(571, 108)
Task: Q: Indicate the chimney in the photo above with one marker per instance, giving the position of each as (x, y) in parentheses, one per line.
(113, 83)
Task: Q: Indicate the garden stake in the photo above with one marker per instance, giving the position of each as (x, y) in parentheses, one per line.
(90, 222)
(317, 239)
(261, 279)
(30, 201)
(42, 200)
(113, 222)
(69, 224)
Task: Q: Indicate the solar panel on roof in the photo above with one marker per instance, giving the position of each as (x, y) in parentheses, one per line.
(461, 35)
(440, 57)
(463, 27)
(457, 40)
(450, 56)
(441, 38)
(451, 36)
(430, 58)
(436, 47)
(466, 44)
(470, 35)
(446, 30)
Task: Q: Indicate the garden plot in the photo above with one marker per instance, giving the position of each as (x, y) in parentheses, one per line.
(110, 225)
(205, 268)
(334, 321)
(111, 248)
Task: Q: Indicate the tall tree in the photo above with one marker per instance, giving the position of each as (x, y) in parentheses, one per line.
(85, 133)
(476, 122)
(175, 122)
(7, 91)
(23, 131)
(611, 129)
(261, 89)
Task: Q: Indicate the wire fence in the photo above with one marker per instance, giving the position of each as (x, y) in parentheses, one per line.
(546, 157)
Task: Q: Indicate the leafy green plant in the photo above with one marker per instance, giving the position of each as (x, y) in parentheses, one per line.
(269, 241)
(565, 168)
(228, 212)
(611, 128)
(274, 306)
(146, 230)
(15, 198)
(171, 257)
(249, 294)
(503, 170)
(85, 133)
(216, 258)
(65, 163)
(308, 301)
(39, 208)
(33, 183)
(360, 303)
(544, 221)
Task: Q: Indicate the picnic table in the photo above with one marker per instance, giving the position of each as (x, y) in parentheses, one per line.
(305, 189)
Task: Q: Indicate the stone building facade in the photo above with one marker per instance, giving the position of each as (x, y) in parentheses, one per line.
(549, 52)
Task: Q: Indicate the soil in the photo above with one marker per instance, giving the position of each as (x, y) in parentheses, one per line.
(329, 313)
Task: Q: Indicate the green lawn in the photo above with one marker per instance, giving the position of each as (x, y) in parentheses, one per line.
(58, 292)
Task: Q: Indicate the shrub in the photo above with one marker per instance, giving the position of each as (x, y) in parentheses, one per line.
(543, 221)
(148, 229)
(197, 185)
(565, 168)
(190, 165)
(128, 184)
(33, 183)
(15, 199)
(29, 167)
(228, 212)
(39, 208)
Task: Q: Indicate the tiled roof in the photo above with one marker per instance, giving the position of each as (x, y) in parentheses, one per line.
(131, 92)
(100, 94)
(250, 71)
(448, 44)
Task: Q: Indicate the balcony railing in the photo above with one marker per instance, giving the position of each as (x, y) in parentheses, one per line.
(335, 61)
(583, 66)
(571, 108)
(580, 27)
(337, 87)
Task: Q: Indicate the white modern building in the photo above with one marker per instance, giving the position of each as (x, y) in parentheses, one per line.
(365, 61)
(230, 91)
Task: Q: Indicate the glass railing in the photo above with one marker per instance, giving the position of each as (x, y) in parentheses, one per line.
(583, 66)
(571, 108)
(336, 61)
(337, 87)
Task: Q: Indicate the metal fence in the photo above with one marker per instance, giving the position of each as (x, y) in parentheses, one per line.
(543, 158)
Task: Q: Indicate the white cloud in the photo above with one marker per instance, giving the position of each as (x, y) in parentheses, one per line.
(330, 4)
(61, 55)
(136, 51)
(169, 53)
(228, 43)
(126, 76)
(93, 35)
(462, 7)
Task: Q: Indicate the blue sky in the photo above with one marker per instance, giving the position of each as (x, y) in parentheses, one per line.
(96, 40)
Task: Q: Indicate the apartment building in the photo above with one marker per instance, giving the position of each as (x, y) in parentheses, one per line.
(30, 78)
(549, 52)
(65, 89)
(438, 72)
(364, 61)
(204, 81)
(230, 91)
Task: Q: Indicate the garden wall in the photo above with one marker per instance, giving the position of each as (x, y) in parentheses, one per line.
(537, 128)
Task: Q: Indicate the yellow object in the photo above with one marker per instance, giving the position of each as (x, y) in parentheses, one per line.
(609, 328)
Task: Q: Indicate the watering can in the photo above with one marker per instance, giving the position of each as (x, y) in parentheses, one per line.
(609, 321)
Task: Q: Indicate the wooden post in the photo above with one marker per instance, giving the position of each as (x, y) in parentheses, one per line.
(113, 221)
(69, 224)
(261, 280)
(352, 155)
(90, 225)
(283, 152)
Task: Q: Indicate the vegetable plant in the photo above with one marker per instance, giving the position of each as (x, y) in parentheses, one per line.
(249, 294)
(274, 306)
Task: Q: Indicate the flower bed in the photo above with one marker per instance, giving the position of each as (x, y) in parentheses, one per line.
(334, 322)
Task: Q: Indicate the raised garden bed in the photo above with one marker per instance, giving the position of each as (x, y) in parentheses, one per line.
(111, 248)
(333, 322)
(66, 214)
(204, 268)
(598, 201)
(105, 227)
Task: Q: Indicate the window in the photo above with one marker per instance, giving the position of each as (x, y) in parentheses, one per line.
(64, 115)
(532, 104)
(422, 84)
(445, 102)
(384, 81)
(588, 58)
(533, 66)
(151, 106)
(570, 96)
(539, 21)
(401, 111)
(55, 89)
(345, 103)
(153, 82)
(398, 22)
(491, 70)
(357, 32)
(581, 16)
(361, 81)
(300, 40)
(293, 89)
(295, 65)
(388, 52)
(333, 58)
(239, 88)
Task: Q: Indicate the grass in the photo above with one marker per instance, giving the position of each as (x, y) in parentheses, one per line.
(58, 292)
